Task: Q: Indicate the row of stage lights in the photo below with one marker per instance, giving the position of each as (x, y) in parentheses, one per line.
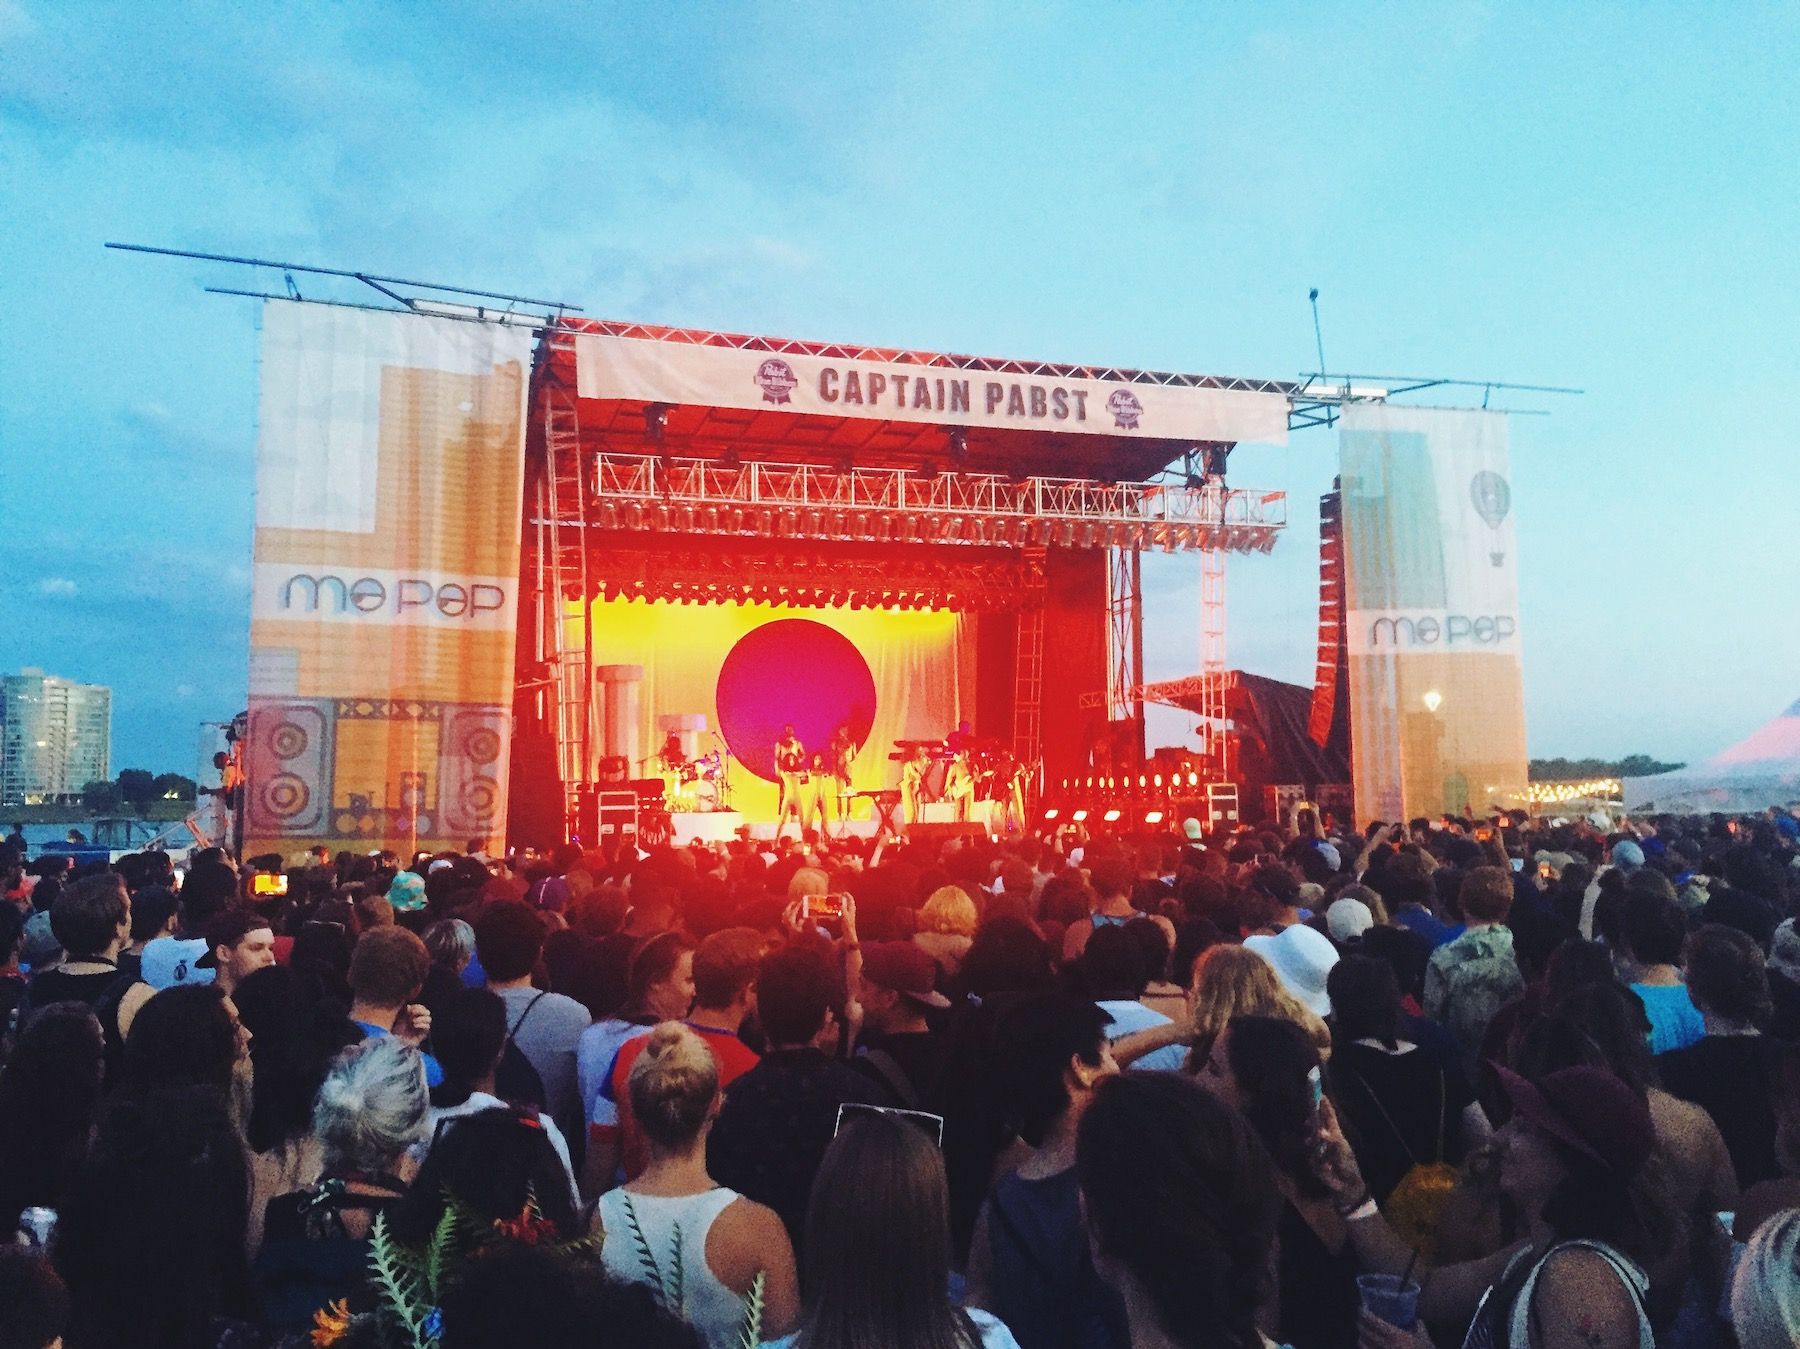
(1173, 782)
(1110, 816)
(917, 525)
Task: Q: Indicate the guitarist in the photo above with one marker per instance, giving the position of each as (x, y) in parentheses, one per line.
(790, 767)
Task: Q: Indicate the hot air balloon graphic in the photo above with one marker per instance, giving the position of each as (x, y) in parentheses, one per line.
(1493, 499)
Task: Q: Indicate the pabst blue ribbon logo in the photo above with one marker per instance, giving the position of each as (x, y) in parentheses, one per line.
(1125, 408)
(776, 379)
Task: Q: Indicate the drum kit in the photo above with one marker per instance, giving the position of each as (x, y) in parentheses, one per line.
(702, 784)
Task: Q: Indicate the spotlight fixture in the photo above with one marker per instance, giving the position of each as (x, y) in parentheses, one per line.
(1079, 816)
(1153, 817)
(1051, 813)
(1110, 816)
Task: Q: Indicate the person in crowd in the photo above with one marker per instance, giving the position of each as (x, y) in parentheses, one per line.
(450, 942)
(469, 1035)
(1029, 1259)
(12, 978)
(292, 1042)
(154, 913)
(1231, 981)
(150, 1237)
(35, 1299)
(1765, 1290)
(1400, 1107)
(723, 981)
(546, 1026)
(1653, 931)
(1469, 978)
(947, 923)
(878, 1225)
(1112, 970)
(387, 969)
(1576, 1161)
(186, 1037)
(897, 1045)
(239, 942)
(1730, 1070)
(660, 988)
(674, 1222)
(1156, 937)
(1268, 1069)
(494, 1163)
(1302, 959)
(778, 1118)
(50, 1094)
(373, 1108)
(210, 885)
(533, 1295)
(92, 923)
(1112, 881)
(1181, 1204)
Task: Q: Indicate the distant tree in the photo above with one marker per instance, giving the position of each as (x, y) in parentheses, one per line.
(137, 786)
(1579, 770)
(100, 797)
(175, 787)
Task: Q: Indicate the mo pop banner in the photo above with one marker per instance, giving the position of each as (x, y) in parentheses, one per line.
(1431, 611)
(385, 579)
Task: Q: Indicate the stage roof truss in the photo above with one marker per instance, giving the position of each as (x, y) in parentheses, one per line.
(883, 505)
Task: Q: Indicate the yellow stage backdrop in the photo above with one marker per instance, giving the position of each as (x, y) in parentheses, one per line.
(748, 669)
(385, 591)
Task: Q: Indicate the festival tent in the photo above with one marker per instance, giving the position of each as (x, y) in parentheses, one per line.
(1760, 771)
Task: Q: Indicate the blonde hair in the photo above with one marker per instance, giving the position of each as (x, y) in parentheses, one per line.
(673, 1084)
(1231, 981)
(950, 911)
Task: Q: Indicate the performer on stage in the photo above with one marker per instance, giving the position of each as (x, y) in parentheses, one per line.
(790, 766)
(821, 795)
(840, 759)
(959, 785)
(671, 765)
(963, 737)
(912, 783)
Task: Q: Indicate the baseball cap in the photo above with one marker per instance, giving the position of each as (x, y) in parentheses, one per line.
(1301, 958)
(904, 967)
(227, 927)
(170, 962)
(1191, 828)
(1590, 1110)
(406, 892)
(39, 945)
(1348, 918)
(1784, 950)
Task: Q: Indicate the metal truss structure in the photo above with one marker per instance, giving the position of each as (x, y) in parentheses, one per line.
(884, 505)
(1125, 635)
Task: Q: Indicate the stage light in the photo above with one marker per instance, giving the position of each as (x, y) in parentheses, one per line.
(1193, 779)
(1110, 816)
(1433, 700)
(1143, 781)
(1079, 816)
(1153, 817)
(1051, 813)
(1156, 780)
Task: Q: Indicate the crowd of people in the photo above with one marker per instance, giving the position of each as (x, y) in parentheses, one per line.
(1509, 1083)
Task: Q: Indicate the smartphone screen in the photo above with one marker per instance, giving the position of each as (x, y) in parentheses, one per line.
(263, 883)
(822, 906)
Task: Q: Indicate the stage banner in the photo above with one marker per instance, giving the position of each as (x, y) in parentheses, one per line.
(641, 369)
(1432, 612)
(385, 580)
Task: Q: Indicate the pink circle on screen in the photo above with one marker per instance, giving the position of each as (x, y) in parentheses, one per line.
(792, 672)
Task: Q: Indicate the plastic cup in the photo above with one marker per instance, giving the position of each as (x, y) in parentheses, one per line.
(1393, 1299)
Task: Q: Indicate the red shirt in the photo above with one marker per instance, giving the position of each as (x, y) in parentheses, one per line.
(730, 1053)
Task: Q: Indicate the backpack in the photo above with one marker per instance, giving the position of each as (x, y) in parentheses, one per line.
(516, 1080)
(1414, 1208)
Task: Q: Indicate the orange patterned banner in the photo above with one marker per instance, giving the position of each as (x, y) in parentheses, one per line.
(385, 585)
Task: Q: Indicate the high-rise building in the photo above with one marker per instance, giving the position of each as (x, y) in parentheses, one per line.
(55, 737)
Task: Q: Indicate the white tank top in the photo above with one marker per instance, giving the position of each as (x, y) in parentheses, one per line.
(665, 1224)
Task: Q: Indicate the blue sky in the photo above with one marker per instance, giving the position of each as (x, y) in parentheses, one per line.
(1599, 196)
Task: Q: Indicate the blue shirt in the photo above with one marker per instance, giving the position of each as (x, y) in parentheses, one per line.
(1425, 923)
(1131, 1016)
(1675, 1022)
(434, 1071)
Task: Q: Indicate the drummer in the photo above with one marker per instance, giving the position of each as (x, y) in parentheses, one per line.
(671, 764)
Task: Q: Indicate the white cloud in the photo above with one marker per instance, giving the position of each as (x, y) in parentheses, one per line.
(59, 587)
